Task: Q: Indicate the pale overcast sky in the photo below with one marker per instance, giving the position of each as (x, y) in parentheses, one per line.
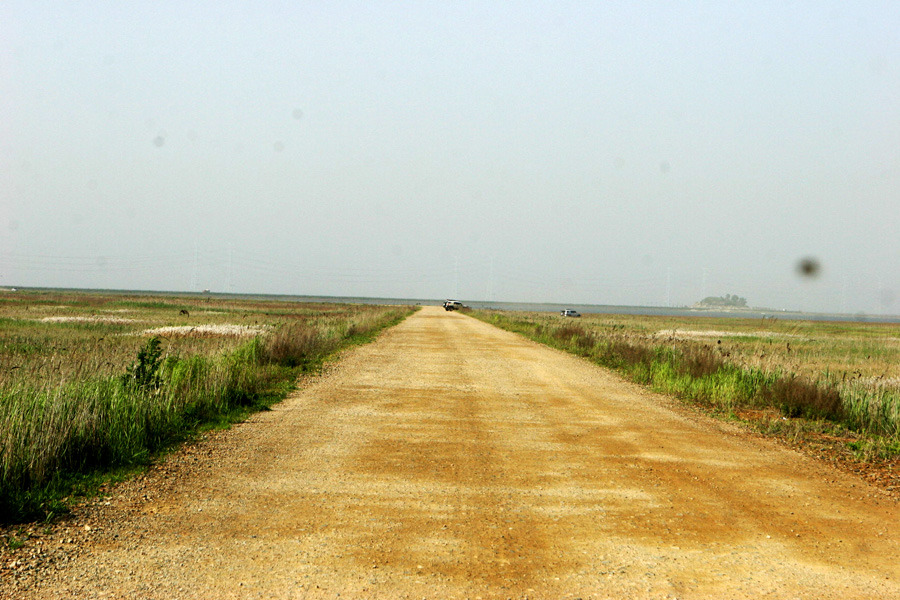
(646, 153)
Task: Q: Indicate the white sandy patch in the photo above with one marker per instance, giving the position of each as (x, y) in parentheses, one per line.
(221, 329)
(91, 319)
(687, 334)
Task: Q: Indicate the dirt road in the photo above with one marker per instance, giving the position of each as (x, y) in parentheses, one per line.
(450, 459)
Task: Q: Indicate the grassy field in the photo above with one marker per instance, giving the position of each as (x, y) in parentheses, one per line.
(92, 383)
(834, 380)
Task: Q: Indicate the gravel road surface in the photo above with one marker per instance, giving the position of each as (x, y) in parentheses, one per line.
(450, 459)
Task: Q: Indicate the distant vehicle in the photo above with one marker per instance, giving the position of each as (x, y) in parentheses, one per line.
(453, 305)
(570, 313)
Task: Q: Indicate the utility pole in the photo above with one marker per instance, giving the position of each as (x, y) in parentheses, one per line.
(844, 295)
(491, 281)
(669, 286)
(230, 285)
(195, 276)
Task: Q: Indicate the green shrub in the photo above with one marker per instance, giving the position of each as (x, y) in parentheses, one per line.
(143, 374)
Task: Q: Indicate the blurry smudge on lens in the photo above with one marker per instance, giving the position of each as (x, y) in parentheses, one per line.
(665, 167)
(809, 267)
(278, 146)
(297, 114)
(159, 141)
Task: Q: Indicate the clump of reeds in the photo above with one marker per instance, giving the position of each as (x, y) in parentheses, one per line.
(797, 397)
(575, 335)
(296, 344)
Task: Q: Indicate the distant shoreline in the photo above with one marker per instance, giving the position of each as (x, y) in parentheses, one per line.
(554, 307)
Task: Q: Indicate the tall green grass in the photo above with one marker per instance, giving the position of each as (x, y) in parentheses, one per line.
(61, 422)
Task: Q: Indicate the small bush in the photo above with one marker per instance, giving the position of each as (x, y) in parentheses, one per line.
(619, 354)
(575, 335)
(143, 374)
(797, 397)
(699, 361)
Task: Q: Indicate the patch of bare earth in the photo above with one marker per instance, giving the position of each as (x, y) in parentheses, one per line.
(450, 459)
(225, 329)
(882, 473)
(89, 319)
(687, 334)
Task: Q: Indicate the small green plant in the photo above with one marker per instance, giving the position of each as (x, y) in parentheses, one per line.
(144, 374)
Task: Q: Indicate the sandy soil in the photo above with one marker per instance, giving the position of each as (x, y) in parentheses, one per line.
(91, 319)
(450, 459)
(210, 329)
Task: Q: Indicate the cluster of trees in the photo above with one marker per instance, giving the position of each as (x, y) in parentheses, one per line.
(726, 300)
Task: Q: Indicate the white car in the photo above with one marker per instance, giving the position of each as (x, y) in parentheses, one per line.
(453, 305)
(570, 313)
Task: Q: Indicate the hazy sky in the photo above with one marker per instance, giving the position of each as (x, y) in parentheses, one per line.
(645, 153)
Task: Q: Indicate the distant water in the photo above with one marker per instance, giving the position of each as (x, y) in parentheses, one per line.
(752, 313)
(683, 311)
(606, 309)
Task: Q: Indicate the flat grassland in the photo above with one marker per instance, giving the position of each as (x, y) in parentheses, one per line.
(831, 387)
(93, 382)
(450, 459)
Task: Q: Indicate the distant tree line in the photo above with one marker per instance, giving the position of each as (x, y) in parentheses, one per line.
(726, 300)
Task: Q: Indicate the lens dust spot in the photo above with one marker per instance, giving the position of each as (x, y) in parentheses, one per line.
(809, 267)
(297, 114)
(278, 146)
(159, 141)
(665, 167)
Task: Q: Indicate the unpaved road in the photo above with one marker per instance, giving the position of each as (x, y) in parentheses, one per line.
(450, 459)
